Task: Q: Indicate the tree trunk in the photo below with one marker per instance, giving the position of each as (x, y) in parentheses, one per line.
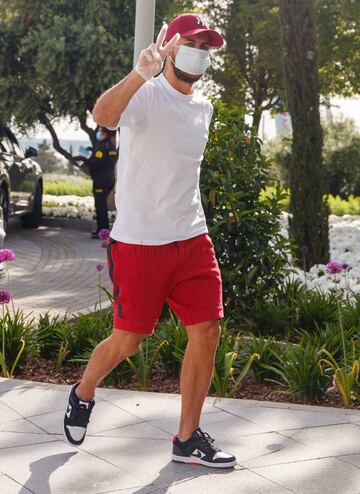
(309, 222)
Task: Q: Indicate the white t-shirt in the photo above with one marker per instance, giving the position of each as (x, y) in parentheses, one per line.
(163, 134)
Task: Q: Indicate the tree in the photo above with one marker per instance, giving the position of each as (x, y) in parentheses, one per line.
(250, 76)
(339, 46)
(309, 221)
(47, 160)
(57, 57)
(251, 73)
(60, 57)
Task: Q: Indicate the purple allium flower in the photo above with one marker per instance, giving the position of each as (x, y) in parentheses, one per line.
(100, 266)
(346, 266)
(103, 234)
(7, 255)
(4, 296)
(104, 244)
(334, 267)
(304, 249)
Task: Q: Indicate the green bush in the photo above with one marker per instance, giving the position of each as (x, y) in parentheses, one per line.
(49, 330)
(143, 360)
(120, 375)
(300, 373)
(60, 185)
(288, 310)
(17, 341)
(245, 228)
(85, 332)
(265, 348)
(328, 337)
(231, 362)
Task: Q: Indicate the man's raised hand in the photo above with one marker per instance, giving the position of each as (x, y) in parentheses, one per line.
(151, 58)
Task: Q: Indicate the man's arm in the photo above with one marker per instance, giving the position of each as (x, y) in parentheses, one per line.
(111, 104)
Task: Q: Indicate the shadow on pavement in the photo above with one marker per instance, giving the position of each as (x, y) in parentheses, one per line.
(41, 471)
(177, 473)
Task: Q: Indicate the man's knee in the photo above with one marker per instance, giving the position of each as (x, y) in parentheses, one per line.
(126, 342)
(205, 333)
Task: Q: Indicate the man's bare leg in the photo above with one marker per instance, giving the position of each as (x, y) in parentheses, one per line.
(107, 355)
(196, 373)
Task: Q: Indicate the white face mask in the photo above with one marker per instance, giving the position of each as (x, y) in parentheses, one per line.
(192, 60)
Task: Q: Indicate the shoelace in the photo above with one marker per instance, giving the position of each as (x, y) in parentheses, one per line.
(207, 442)
(82, 414)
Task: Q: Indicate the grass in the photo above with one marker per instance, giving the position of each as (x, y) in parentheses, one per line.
(62, 185)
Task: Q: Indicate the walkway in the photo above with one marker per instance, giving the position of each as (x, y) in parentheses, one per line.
(55, 269)
(280, 448)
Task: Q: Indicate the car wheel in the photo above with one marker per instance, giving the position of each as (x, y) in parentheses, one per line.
(33, 219)
(4, 205)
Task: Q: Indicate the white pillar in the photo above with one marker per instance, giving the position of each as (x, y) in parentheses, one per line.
(144, 26)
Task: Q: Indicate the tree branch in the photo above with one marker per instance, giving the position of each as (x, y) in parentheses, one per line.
(90, 132)
(56, 143)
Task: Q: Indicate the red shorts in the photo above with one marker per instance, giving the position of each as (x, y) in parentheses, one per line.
(185, 274)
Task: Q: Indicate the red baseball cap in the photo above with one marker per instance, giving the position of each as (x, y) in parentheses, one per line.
(189, 24)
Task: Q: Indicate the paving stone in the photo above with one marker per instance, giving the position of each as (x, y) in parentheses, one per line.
(229, 402)
(325, 475)
(220, 425)
(311, 408)
(9, 486)
(58, 468)
(104, 416)
(240, 482)
(268, 449)
(11, 439)
(30, 401)
(7, 415)
(353, 459)
(137, 431)
(7, 384)
(333, 440)
(152, 407)
(147, 460)
(19, 426)
(277, 419)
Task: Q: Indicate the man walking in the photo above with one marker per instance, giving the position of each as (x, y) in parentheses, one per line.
(159, 249)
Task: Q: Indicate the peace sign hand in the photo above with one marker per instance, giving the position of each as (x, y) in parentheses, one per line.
(151, 58)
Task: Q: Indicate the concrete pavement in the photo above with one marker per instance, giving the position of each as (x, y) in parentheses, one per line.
(281, 448)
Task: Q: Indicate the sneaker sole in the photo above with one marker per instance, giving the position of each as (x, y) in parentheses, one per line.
(198, 461)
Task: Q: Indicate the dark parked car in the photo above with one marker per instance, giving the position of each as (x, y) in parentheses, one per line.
(21, 183)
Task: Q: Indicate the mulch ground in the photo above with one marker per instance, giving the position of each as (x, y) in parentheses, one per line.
(42, 370)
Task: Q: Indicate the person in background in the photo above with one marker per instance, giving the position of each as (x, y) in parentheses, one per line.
(101, 166)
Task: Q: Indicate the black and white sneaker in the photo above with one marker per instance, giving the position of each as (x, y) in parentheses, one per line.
(76, 417)
(201, 450)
